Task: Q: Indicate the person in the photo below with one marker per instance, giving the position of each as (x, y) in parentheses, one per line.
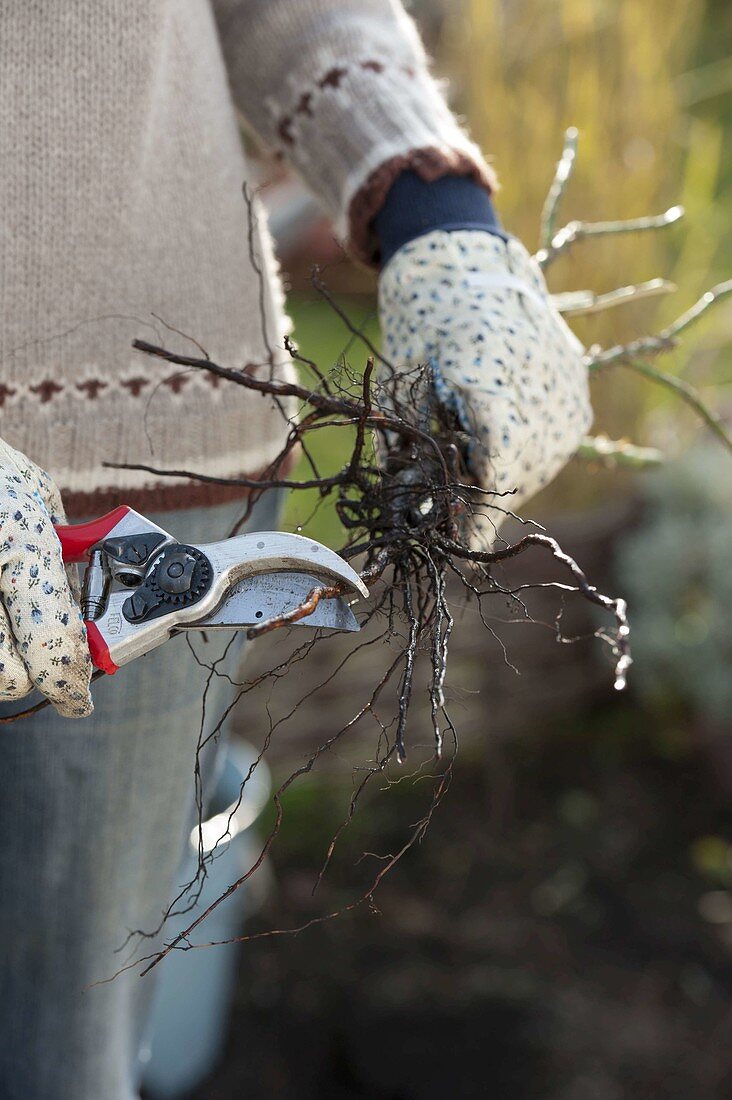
(123, 216)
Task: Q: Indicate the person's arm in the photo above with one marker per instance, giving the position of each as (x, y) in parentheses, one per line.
(342, 89)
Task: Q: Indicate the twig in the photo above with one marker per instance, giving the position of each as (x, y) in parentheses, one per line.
(665, 340)
(579, 231)
(245, 482)
(326, 295)
(616, 606)
(683, 390)
(575, 303)
(308, 605)
(341, 406)
(410, 653)
(562, 176)
(618, 452)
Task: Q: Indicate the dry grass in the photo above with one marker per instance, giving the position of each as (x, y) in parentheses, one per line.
(523, 72)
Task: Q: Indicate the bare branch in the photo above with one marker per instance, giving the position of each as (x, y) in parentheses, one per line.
(618, 452)
(683, 390)
(562, 177)
(580, 231)
(575, 303)
(666, 339)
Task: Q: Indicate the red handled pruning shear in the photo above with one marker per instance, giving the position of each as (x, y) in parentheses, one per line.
(141, 585)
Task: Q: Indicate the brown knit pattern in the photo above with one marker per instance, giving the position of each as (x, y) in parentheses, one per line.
(169, 496)
(159, 497)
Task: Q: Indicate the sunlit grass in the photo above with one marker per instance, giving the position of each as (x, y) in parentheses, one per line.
(321, 336)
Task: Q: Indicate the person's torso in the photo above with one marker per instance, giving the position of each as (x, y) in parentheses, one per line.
(121, 212)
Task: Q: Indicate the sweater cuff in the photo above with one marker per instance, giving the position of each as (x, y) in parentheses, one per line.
(414, 207)
(428, 165)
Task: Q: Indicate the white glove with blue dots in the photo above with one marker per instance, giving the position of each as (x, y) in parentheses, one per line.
(476, 308)
(42, 636)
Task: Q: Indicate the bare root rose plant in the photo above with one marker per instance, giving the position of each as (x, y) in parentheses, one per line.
(415, 525)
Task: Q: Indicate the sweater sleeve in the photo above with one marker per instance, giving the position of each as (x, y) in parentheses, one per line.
(342, 89)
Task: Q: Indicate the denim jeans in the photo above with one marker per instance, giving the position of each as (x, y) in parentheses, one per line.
(94, 817)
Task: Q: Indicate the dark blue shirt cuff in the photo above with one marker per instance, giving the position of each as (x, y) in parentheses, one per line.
(414, 207)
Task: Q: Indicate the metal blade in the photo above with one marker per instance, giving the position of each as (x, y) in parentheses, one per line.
(272, 551)
(270, 595)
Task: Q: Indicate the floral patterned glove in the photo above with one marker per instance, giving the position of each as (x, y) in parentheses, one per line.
(42, 636)
(476, 307)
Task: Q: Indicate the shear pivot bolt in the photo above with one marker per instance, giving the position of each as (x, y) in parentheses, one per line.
(181, 575)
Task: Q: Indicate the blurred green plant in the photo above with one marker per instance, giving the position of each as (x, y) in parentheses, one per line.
(675, 571)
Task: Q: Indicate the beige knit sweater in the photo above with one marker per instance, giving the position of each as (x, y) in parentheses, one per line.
(120, 199)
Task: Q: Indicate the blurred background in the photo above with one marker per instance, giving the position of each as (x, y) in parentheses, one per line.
(565, 929)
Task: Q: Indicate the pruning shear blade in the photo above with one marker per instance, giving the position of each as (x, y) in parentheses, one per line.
(273, 595)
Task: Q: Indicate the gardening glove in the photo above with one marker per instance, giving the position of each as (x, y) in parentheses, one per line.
(475, 307)
(42, 635)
